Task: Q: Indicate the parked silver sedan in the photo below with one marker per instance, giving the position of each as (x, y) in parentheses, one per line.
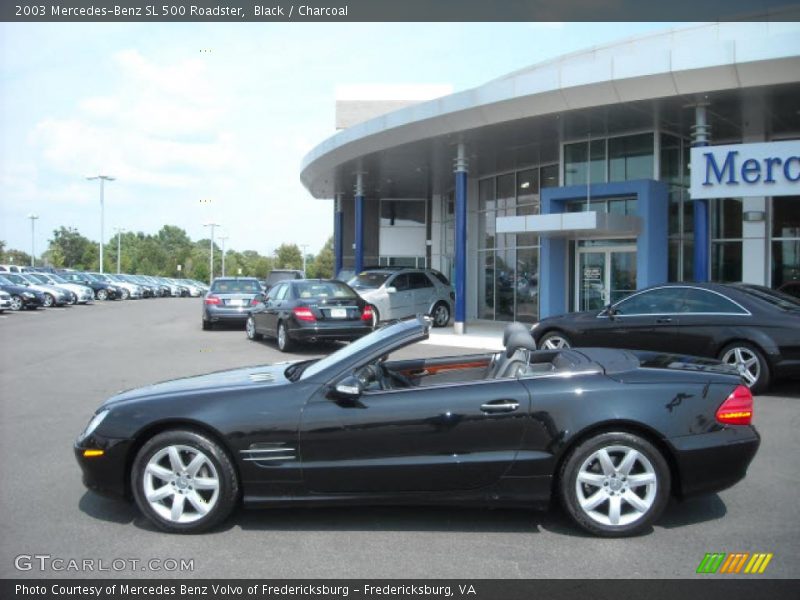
(400, 293)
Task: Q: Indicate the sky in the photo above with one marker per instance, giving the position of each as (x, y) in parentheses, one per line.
(207, 123)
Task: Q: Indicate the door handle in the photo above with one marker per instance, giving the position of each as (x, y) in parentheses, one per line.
(664, 320)
(501, 406)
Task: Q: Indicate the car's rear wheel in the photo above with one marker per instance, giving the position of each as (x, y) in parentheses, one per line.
(555, 340)
(615, 484)
(102, 295)
(49, 300)
(440, 315)
(16, 303)
(285, 342)
(750, 363)
(184, 482)
(250, 328)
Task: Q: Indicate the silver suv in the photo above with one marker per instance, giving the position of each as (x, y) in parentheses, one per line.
(398, 293)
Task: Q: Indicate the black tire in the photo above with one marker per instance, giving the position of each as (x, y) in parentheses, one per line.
(49, 301)
(440, 314)
(555, 339)
(284, 341)
(102, 294)
(223, 500)
(652, 498)
(17, 302)
(757, 379)
(250, 329)
(207, 325)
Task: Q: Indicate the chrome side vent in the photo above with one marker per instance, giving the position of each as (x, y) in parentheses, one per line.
(256, 377)
(269, 453)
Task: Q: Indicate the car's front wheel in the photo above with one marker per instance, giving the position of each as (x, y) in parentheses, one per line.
(184, 482)
(615, 484)
(750, 363)
(250, 328)
(555, 340)
(102, 295)
(125, 294)
(49, 300)
(440, 315)
(16, 303)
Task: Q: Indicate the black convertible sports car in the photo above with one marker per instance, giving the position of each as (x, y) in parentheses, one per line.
(611, 433)
(751, 327)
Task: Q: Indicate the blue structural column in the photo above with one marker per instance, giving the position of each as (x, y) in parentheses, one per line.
(461, 240)
(359, 223)
(701, 234)
(338, 247)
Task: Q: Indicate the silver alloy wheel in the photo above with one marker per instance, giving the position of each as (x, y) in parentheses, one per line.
(555, 342)
(177, 474)
(745, 361)
(250, 327)
(441, 315)
(616, 493)
(102, 294)
(125, 294)
(281, 336)
(16, 303)
(48, 301)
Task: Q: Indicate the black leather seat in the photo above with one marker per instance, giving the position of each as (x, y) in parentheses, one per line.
(519, 345)
(500, 359)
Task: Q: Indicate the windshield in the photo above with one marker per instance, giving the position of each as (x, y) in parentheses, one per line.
(323, 289)
(368, 280)
(276, 276)
(35, 277)
(16, 278)
(774, 297)
(5, 281)
(58, 279)
(348, 351)
(236, 286)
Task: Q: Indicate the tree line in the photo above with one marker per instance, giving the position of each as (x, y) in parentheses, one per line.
(162, 252)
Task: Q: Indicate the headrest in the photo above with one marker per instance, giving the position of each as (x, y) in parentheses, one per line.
(520, 340)
(511, 329)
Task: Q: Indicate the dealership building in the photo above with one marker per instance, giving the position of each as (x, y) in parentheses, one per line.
(568, 184)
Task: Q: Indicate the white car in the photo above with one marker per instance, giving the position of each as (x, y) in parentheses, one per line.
(5, 301)
(83, 294)
(133, 290)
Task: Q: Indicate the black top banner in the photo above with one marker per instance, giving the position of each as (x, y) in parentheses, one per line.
(395, 10)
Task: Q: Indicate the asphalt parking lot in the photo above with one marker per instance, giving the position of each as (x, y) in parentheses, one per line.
(57, 365)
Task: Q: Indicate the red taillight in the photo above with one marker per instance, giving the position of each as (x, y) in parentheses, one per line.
(303, 313)
(212, 300)
(737, 408)
(255, 302)
(367, 314)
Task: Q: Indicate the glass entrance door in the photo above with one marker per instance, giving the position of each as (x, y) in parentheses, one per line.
(604, 275)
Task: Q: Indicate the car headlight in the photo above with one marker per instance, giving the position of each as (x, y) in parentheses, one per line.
(28, 295)
(94, 423)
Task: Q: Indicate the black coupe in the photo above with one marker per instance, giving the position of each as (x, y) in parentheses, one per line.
(611, 433)
(751, 327)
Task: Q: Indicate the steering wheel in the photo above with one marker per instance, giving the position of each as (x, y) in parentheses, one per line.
(392, 377)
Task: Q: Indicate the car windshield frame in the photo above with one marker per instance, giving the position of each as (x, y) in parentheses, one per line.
(310, 283)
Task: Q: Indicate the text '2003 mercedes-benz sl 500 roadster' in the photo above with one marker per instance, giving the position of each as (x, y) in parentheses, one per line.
(612, 434)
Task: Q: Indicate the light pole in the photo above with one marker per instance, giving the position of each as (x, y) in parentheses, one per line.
(222, 239)
(211, 259)
(304, 246)
(119, 231)
(103, 179)
(33, 218)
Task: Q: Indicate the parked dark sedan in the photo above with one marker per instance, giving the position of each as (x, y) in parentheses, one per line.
(752, 327)
(102, 289)
(310, 310)
(21, 296)
(612, 433)
(229, 300)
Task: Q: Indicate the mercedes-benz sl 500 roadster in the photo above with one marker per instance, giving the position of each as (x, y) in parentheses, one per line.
(611, 434)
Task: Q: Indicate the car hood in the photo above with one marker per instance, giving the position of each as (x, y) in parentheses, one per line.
(243, 378)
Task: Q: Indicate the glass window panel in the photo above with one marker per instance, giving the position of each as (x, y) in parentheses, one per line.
(506, 206)
(575, 163)
(701, 301)
(630, 157)
(726, 218)
(688, 260)
(674, 250)
(670, 159)
(726, 261)
(486, 194)
(688, 217)
(786, 265)
(528, 186)
(402, 213)
(675, 196)
(504, 271)
(654, 302)
(527, 285)
(597, 160)
(786, 217)
(486, 285)
(549, 176)
(527, 239)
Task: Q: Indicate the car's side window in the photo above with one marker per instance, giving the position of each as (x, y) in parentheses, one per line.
(419, 281)
(400, 282)
(702, 301)
(652, 302)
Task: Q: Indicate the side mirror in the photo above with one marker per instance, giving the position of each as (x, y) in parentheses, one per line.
(609, 311)
(348, 388)
(391, 290)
